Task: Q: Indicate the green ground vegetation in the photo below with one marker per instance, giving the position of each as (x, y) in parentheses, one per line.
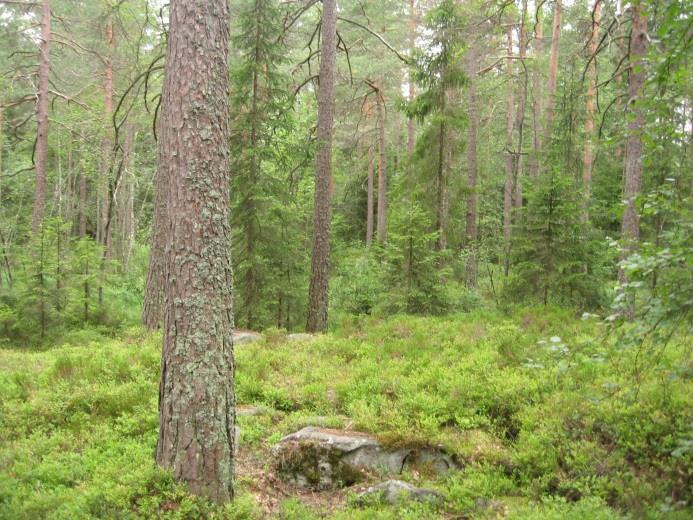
(549, 415)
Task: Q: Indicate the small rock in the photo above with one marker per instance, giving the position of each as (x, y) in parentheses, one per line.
(245, 336)
(300, 336)
(394, 491)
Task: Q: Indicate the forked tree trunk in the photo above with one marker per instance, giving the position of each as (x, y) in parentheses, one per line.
(196, 394)
(42, 119)
(471, 231)
(382, 171)
(320, 260)
(509, 159)
(369, 198)
(553, 74)
(588, 158)
(630, 225)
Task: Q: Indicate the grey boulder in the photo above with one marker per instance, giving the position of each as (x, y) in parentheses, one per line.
(321, 458)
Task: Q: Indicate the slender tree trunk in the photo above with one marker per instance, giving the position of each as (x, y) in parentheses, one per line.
(520, 115)
(441, 213)
(104, 233)
(553, 73)
(196, 394)
(127, 206)
(152, 306)
(42, 119)
(411, 126)
(2, 138)
(69, 183)
(630, 226)
(588, 158)
(534, 164)
(509, 158)
(471, 231)
(320, 261)
(82, 204)
(369, 198)
(250, 211)
(382, 171)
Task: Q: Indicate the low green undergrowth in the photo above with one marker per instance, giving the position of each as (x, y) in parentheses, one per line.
(546, 417)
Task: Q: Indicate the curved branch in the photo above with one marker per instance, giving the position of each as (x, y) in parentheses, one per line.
(373, 33)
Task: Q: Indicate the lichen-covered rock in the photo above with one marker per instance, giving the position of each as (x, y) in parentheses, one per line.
(245, 336)
(394, 491)
(321, 458)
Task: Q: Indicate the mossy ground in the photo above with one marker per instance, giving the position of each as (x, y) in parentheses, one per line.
(547, 418)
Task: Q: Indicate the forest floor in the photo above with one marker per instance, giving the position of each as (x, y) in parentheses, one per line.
(546, 417)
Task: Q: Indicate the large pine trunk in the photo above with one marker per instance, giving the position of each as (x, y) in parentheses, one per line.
(320, 261)
(42, 119)
(196, 394)
(630, 225)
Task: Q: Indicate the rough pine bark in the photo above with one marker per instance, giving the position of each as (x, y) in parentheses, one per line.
(630, 225)
(509, 131)
(471, 230)
(320, 259)
(382, 171)
(196, 394)
(41, 159)
(588, 158)
(553, 73)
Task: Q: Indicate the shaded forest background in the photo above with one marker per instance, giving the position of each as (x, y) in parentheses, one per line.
(485, 154)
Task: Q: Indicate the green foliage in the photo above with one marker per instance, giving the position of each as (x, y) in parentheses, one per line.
(56, 288)
(556, 256)
(270, 196)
